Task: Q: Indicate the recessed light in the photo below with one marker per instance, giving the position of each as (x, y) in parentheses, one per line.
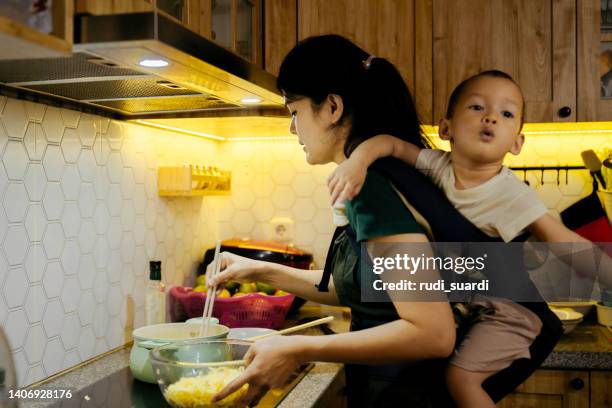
(153, 63)
(250, 100)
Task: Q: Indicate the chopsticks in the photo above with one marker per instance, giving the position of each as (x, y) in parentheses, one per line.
(294, 328)
(210, 294)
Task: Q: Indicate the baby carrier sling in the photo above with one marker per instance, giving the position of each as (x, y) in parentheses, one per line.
(433, 205)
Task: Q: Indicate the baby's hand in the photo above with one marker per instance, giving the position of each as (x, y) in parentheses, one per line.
(346, 180)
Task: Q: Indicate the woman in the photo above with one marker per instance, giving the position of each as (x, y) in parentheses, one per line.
(338, 95)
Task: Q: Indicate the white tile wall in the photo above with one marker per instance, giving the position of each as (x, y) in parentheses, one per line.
(80, 218)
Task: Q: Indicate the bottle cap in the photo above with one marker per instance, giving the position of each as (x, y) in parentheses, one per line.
(155, 270)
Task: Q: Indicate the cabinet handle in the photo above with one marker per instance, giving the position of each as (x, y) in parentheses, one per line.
(565, 112)
(577, 383)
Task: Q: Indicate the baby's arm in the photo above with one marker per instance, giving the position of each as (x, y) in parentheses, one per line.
(549, 229)
(346, 180)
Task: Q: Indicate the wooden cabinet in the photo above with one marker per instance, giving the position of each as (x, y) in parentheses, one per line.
(280, 35)
(234, 24)
(534, 41)
(562, 389)
(551, 389)
(28, 33)
(592, 40)
(385, 28)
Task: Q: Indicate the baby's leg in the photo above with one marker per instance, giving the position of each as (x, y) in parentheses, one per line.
(466, 387)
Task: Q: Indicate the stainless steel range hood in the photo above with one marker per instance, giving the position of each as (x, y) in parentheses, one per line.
(104, 75)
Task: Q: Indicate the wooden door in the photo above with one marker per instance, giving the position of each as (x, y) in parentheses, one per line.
(532, 40)
(384, 28)
(601, 394)
(591, 106)
(551, 389)
(280, 36)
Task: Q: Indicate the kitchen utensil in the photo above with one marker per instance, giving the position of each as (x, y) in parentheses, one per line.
(210, 295)
(189, 373)
(294, 328)
(592, 162)
(149, 337)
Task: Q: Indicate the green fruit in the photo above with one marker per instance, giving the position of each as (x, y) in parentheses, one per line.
(201, 280)
(238, 294)
(232, 286)
(248, 288)
(264, 287)
(200, 288)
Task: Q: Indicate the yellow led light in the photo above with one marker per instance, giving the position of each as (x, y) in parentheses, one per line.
(179, 130)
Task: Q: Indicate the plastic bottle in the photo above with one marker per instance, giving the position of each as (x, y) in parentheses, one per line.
(155, 297)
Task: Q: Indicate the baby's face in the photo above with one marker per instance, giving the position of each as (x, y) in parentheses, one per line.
(487, 120)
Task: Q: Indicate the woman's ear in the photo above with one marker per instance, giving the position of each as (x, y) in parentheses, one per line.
(336, 108)
(444, 129)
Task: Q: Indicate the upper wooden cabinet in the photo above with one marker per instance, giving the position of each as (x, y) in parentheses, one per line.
(35, 32)
(234, 24)
(594, 60)
(386, 28)
(534, 41)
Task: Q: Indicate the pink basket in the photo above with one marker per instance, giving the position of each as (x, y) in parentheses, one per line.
(252, 310)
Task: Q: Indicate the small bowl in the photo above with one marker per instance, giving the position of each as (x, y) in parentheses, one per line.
(149, 337)
(567, 315)
(190, 373)
(582, 306)
(198, 320)
(244, 333)
(569, 326)
(604, 315)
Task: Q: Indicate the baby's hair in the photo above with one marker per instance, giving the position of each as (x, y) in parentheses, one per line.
(458, 91)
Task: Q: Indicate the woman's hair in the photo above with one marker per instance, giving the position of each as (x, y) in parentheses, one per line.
(375, 97)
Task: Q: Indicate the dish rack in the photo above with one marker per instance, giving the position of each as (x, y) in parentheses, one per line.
(251, 310)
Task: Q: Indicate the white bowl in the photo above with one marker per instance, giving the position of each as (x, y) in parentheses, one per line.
(567, 315)
(569, 326)
(583, 307)
(241, 333)
(198, 320)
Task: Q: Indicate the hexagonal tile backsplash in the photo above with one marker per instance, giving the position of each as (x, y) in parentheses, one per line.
(80, 218)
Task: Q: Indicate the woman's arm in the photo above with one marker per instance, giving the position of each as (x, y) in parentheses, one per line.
(425, 330)
(300, 282)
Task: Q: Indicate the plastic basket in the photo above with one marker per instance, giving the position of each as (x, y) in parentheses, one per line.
(252, 310)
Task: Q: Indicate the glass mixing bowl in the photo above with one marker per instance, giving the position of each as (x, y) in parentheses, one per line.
(190, 373)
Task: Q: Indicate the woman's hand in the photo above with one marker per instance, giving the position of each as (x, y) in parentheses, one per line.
(346, 180)
(270, 362)
(236, 268)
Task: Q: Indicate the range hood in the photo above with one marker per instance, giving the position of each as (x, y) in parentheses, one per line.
(104, 74)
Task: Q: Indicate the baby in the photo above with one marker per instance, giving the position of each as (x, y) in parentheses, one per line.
(483, 123)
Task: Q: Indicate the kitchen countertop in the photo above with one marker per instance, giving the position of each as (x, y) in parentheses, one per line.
(589, 346)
